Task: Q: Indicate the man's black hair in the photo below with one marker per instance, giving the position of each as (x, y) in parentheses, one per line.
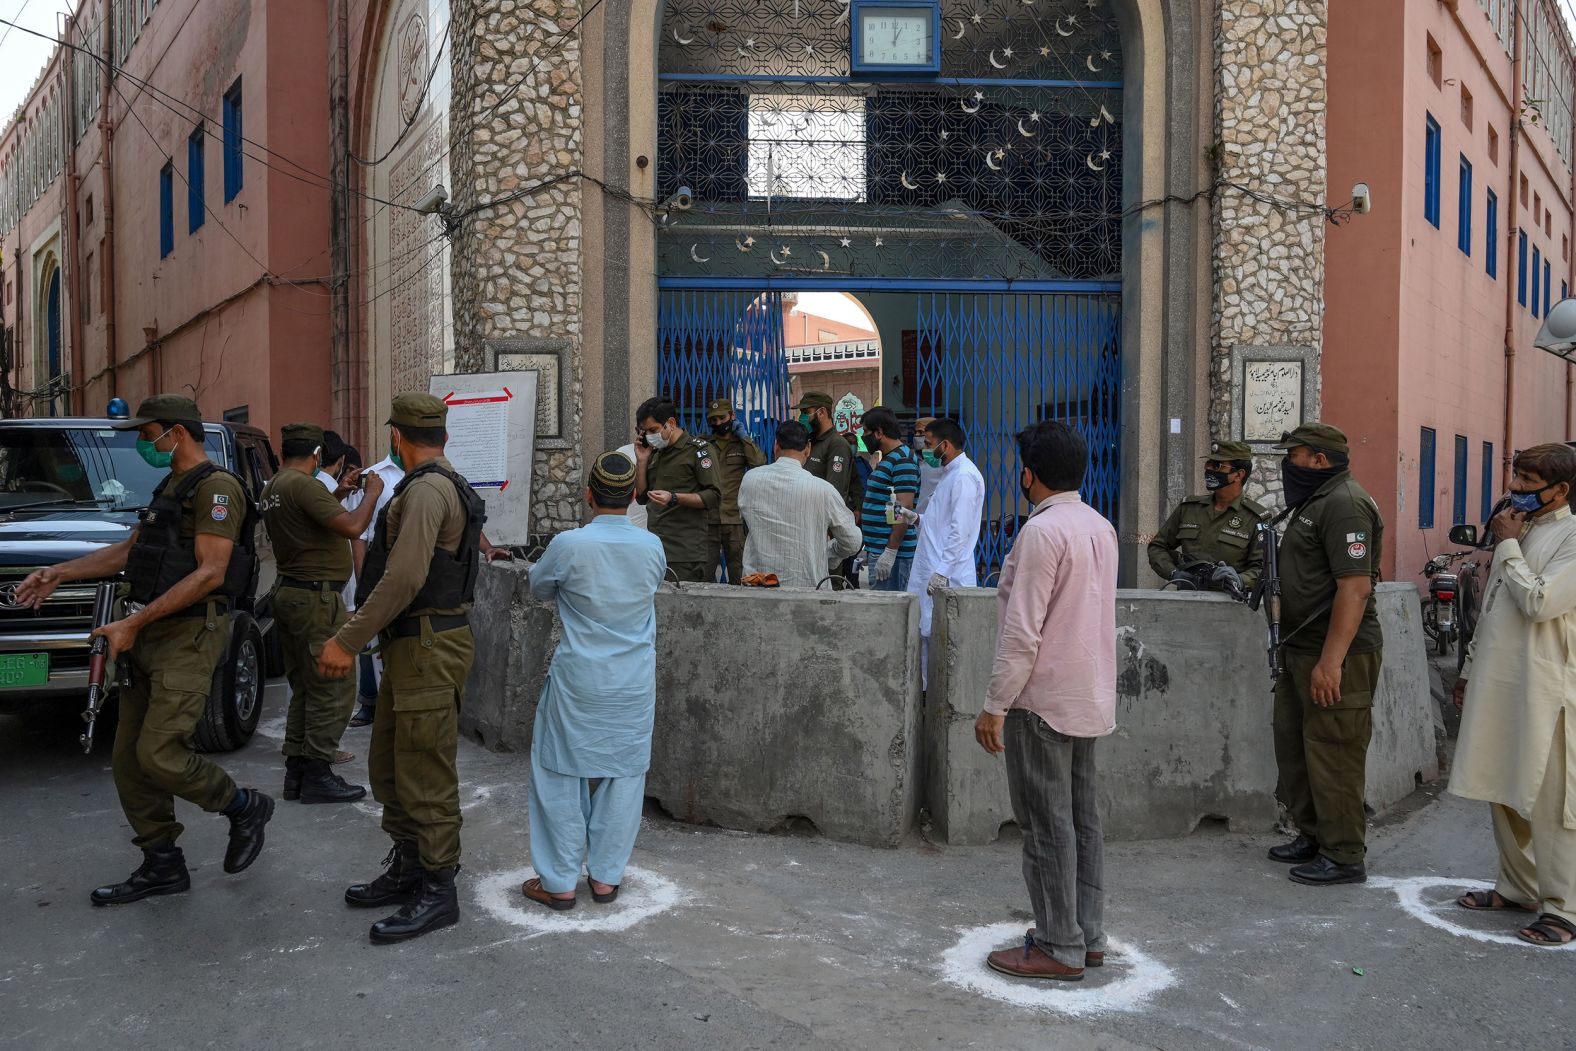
(883, 422)
(1054, 453)
(333, 447)
(1245, 466)
(426, 437)
(353, 457)
(947, 430)
(193, 429)
(659, 410)
(297, 448)
(793, 435)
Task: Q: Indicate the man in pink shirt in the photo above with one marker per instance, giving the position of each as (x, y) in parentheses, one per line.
(1052, 693)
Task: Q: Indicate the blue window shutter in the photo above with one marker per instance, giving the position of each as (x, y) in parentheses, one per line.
(1537, 275)
(1488, 479)
(1521, 269)
(1431, 154)
(1548, 286)
(233, 134)
(196, 211)
(1464, 208)
(1458, 496)
(1491, 236)
(1425, 479)
(166, 210)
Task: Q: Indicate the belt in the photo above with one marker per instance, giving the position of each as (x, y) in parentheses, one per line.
(312, 585)
(407, 627)
(205, 608)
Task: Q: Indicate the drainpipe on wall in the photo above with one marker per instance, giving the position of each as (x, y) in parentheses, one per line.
(1507, 453)
(1570, 267)
(73, 253)
(107, 265)
(339, 368)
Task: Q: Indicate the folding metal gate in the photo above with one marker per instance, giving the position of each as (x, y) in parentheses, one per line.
(999, 362)
(724, 344)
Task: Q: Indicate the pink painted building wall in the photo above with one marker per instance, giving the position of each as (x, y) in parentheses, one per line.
(1415, 323)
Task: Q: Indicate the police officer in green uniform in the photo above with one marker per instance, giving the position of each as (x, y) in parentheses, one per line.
(1332, 649)
(677, 480)
(736, 453)
(1217, 525)
(188, 562)
(311, 533)
(414, 593)
(831, 458)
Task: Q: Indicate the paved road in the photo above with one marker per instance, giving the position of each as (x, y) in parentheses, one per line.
(732, 941)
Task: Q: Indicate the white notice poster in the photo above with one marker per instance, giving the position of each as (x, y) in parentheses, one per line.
(492, 436)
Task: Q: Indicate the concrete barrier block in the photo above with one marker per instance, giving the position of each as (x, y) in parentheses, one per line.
(515, 638)
(1402, 754)
(788, 703)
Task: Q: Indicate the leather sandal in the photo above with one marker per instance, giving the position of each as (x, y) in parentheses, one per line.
(1551, 931)
(604, 899)
(533, 889)
(1490, 901)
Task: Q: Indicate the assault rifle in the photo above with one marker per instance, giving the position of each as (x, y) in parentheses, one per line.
(98, 659)
(1267, 593)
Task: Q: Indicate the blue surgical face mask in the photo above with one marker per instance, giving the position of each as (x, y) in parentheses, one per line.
(150, 453)
(1530, 501)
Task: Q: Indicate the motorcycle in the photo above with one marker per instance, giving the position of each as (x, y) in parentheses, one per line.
(1439, 612)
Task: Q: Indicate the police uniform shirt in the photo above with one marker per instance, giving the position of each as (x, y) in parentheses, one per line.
(735, 455)
(1201, 535)
(687, 466)
(426, 515)
(217, 507)
(296, 510)
(832, 459)
(1336, 533)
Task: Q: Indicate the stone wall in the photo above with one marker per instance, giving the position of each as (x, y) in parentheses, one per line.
(515, 134)
(1270, 163)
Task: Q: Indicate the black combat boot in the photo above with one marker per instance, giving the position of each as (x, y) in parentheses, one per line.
(437, 905)
(163, 871)
(398, 884)
(1299, 850)
(246, 830)
(293, 764)
(319, 784)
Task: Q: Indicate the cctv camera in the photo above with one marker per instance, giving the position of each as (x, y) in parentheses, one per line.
(433, 203)
(683, 199)
(1362, 199)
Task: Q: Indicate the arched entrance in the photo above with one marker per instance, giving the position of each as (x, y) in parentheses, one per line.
(975, 208)
(408, 305)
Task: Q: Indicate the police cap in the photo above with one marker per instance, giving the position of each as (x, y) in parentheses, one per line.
(719, 408)
(166, 408)
(302, 432)
(1230, 451)
(1315, 435)
(814, 399)
(419, 410)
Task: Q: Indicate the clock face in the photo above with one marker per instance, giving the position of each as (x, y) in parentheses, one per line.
(897, 36)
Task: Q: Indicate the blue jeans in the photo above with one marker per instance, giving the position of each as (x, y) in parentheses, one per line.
(898, 581)
(368, 685)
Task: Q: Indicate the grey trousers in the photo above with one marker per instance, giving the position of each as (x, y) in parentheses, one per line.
(1051, 778)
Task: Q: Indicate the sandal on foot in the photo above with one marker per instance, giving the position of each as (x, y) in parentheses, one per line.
(604, 899)
(533, 889)
(1490, 901)
(1550, 931)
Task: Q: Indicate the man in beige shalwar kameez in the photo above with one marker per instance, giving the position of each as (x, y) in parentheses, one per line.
(1517, 749)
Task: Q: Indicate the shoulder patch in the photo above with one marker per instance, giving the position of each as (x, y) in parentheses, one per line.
(1357, 550)
(705, 461)
(220, 498)
(219, 512)
(837, 465)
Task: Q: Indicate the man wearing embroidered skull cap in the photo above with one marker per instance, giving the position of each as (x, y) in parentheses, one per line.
(1332, 649)
(591, 744)
(189, 561)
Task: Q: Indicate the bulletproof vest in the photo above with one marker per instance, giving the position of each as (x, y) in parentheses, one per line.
(451, 578)
(160, 559)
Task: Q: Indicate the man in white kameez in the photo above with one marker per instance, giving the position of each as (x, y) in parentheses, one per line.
(948, 529)
(595, 716)
(1518, 696)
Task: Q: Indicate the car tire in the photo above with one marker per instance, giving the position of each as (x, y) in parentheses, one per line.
(235, 702)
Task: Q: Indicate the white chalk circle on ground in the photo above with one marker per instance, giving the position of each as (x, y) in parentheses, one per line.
(642, 895)
(1128, 980)
(471, 795)
(1409, 892)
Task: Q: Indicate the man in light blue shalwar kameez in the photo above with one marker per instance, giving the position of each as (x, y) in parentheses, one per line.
(594, 719)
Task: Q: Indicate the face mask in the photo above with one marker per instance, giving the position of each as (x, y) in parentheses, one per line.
(150, 453)
(657, 440)
(931, 458)
(722, 427)
(1027, 488)
(807, 421)
(1529, 501)
(1216, 480)
(920, 443)
(395, 458)
(1302, 482)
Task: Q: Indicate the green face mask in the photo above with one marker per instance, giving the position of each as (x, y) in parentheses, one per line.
(931, 458)
(394, 458)
(807, 422)
(151, 455)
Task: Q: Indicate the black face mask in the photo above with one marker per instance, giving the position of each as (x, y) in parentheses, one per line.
(722, 427)
(1302, 482)
(1216, 480)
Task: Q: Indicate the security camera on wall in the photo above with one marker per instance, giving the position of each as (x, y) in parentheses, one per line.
(1362, 199)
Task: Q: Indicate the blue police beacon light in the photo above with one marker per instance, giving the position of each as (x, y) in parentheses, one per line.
(118, 409)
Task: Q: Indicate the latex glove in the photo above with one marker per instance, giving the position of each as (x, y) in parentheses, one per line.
(881, 569)
(908, 514)
(739, 430)
(1226, 579)
(937, 582)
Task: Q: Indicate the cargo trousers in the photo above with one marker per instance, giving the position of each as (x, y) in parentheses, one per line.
(411, 763)
(172, 666)
(319, 708)
(1322, 753)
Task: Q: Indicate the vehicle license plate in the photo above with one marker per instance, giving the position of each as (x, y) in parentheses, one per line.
(24, 669)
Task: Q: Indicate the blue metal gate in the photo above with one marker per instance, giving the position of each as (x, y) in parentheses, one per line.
(723, 344)
(999, 362)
